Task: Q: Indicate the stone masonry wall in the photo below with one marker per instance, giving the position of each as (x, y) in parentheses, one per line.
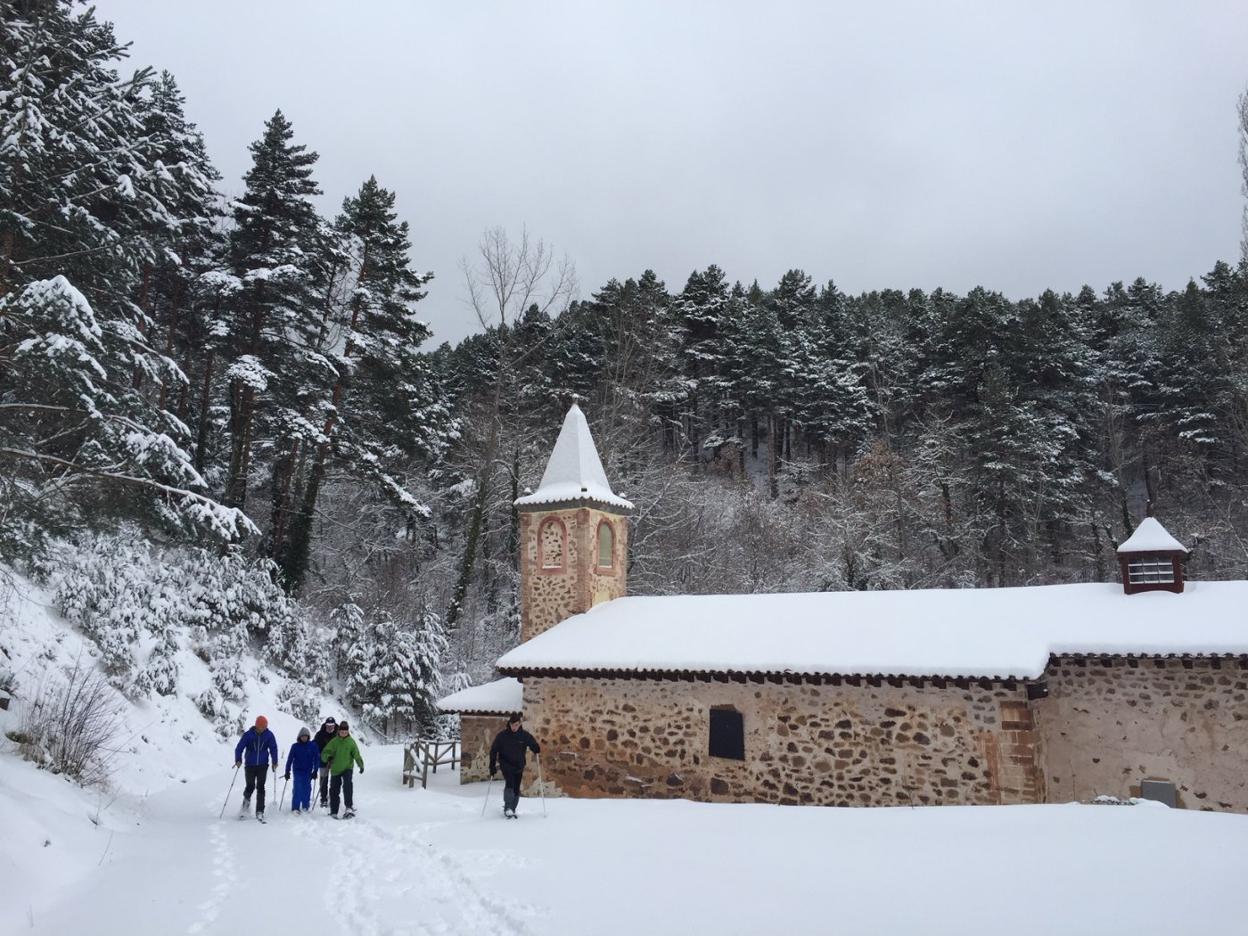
(823, 744)
(476, 734)
(1107, 725)
(548, 596)
(606, 584)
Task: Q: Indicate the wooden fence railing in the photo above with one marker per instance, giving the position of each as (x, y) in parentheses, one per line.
(420, 755)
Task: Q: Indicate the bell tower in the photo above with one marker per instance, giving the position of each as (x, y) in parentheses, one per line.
(573, 534)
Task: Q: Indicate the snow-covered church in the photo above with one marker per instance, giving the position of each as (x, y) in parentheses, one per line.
(1009, 695)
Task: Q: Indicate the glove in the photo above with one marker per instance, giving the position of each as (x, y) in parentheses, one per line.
(361, 771)
(237, 764)
(493, 772)
(275, 768)
(287, 777)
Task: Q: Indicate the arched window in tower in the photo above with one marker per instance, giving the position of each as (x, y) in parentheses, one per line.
(606, 545)
(552, 544)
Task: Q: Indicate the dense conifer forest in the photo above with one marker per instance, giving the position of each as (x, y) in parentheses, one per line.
(254, 379)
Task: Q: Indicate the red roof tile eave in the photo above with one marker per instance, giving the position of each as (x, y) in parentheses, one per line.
(502, 713)
(727, 675)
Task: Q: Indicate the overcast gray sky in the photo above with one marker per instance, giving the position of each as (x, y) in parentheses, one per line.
(1017, 146)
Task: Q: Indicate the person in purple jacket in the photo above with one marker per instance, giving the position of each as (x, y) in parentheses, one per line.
(305, 759)
(256, 747)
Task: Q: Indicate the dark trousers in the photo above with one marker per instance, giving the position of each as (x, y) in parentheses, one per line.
(324, 785)
(511, 787)
(337, 782)
(257, 777)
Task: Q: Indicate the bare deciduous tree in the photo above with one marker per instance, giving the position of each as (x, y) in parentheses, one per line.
(507, 280)
(1243, 164)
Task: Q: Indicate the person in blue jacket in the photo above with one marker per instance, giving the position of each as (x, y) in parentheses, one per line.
(256, 747)
(305, 759)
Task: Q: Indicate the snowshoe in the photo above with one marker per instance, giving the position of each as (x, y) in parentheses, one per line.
(349, 814)
(245, 811)
(260, 817)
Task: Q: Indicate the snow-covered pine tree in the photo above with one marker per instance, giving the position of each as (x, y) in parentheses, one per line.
(160, 672)
(275, 318)
(830, 403)
(186, 247)
(79, 196)
(387, 412)
(394, 671)
(697, 312)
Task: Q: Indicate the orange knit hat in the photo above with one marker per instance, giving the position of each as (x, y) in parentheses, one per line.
(261, 723)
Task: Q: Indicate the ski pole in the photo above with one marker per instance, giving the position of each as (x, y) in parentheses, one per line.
(484, 803)
(284, 786)
(541, 784)
(227, 794)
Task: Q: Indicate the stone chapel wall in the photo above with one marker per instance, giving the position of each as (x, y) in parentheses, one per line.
(476, 734)
(1108, 724)
(820, 744)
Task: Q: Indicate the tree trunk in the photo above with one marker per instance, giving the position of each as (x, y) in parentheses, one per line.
(513, 528)
(773, 442)
(242, 415)
(145, 293)
(469, 559)
(741, 445)
(242, 408)
(301, 529)
(294, 561)
(283, 472)
(456, 607)
(205, 398)
(164, 381)
(6, 260)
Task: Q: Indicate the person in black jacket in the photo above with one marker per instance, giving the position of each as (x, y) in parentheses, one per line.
(507, 753)
(328, 732)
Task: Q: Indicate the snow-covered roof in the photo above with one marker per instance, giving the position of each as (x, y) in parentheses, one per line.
(500, 697)
(1151, 536)
(989, 632)
(574, 472)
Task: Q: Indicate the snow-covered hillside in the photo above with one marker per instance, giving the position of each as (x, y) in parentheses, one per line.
(56, 831)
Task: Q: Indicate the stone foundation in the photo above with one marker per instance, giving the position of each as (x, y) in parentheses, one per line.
(1108, 724)
(476, 734)
(820, 744)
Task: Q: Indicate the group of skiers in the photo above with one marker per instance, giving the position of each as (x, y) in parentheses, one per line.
(333, 754)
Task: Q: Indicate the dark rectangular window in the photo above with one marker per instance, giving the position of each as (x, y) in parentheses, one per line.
(727, 734)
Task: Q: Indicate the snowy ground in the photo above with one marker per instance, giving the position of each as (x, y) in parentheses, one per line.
(153, 858)
(428, 862)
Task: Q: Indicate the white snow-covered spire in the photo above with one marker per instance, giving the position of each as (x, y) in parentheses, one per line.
(574, 472)
(1151, 536)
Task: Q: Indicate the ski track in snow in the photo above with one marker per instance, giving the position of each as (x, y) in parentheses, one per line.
(223, 874)
(378, 867)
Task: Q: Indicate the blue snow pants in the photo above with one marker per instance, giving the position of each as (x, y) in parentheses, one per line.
(301, 795)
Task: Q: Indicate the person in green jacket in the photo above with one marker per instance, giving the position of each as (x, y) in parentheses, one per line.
(341, 754)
